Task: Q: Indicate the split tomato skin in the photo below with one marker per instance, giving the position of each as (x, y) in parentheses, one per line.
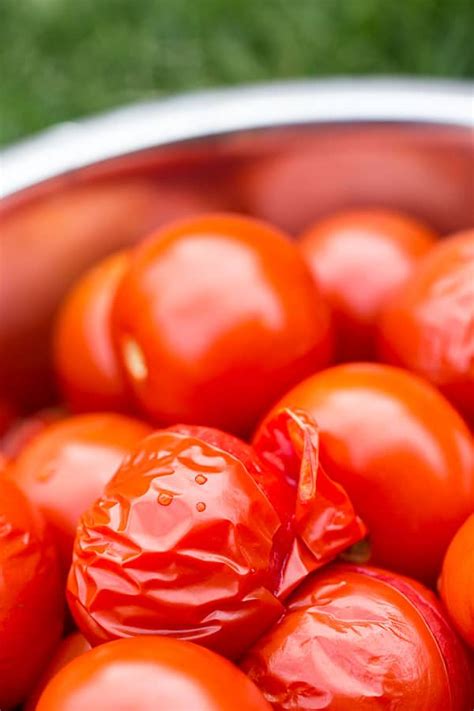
(457, 580)
(149, 673)
(429, 327)
(66, 466)
(393, 441)
(68, 649)
(172, 547)
(86, 365)
(358, 637)
(359, 258)
(215, 318)
(31, 595)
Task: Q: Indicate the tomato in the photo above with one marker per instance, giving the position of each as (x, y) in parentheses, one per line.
(65, 467)
(68, 649)
(23, 431)
(429, 326)
(31, 595)
(361, 638)
(359, 258)
(85, 360)
(146, 674)
(215, 318)
(402, 453)
(198, 537)
(457, 580)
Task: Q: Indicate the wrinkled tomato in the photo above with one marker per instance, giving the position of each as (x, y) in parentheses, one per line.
(429, 326)
(359, 638)
(65, 468)
(457, 580)
(86, 365)
(215, 318)
(402, 453)
(31, 595)
(147, 674)
(199, 536)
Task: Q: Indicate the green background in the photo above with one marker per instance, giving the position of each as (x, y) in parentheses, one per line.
(60, 59)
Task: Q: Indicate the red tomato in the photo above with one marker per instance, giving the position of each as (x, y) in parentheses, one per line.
(150, 673)
(401, 452)
(23, 431)
(361, 638)
(31, 595)
(215, 318)
(68, 649)
(173, 547)
(429, 327)
(457, 580)
(359, 258)
(85, 360)
(65, 468)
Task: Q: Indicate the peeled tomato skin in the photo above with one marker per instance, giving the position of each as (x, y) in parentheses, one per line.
(172, 547)
(359, 637)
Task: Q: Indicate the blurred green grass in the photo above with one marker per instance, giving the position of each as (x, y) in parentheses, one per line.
(60, 59)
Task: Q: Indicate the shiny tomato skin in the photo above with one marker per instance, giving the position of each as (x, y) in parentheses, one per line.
(65, 468)
(429, 326)
(359, 258)
(457, 580)
(355, 637)
(215, 318)
(151, 673)
(85, 361)
(68, 649)
(393, 441)
(193, 537)
(31, 595)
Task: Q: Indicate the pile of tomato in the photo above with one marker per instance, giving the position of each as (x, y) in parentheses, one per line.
(256, 490)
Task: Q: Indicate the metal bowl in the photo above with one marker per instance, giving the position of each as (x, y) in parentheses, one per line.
(288, 153)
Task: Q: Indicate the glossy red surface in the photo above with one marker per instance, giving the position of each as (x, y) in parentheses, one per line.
(215, 318)
(289, 175)
(146, 674)
(63, 231)
(360, 638)
(429, 326)
(84, 357)
(173, 546)
(457, 580)
(65, 468)
(68, 649)
(402, 453)
(359, 258)
(31, 595)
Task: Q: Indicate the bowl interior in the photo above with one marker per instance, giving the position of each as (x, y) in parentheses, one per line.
(290, 176)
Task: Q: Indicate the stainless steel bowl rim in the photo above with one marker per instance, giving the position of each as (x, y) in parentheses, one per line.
(74, 145)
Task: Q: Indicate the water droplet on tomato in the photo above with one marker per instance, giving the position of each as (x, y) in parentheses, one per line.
(201, 506)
